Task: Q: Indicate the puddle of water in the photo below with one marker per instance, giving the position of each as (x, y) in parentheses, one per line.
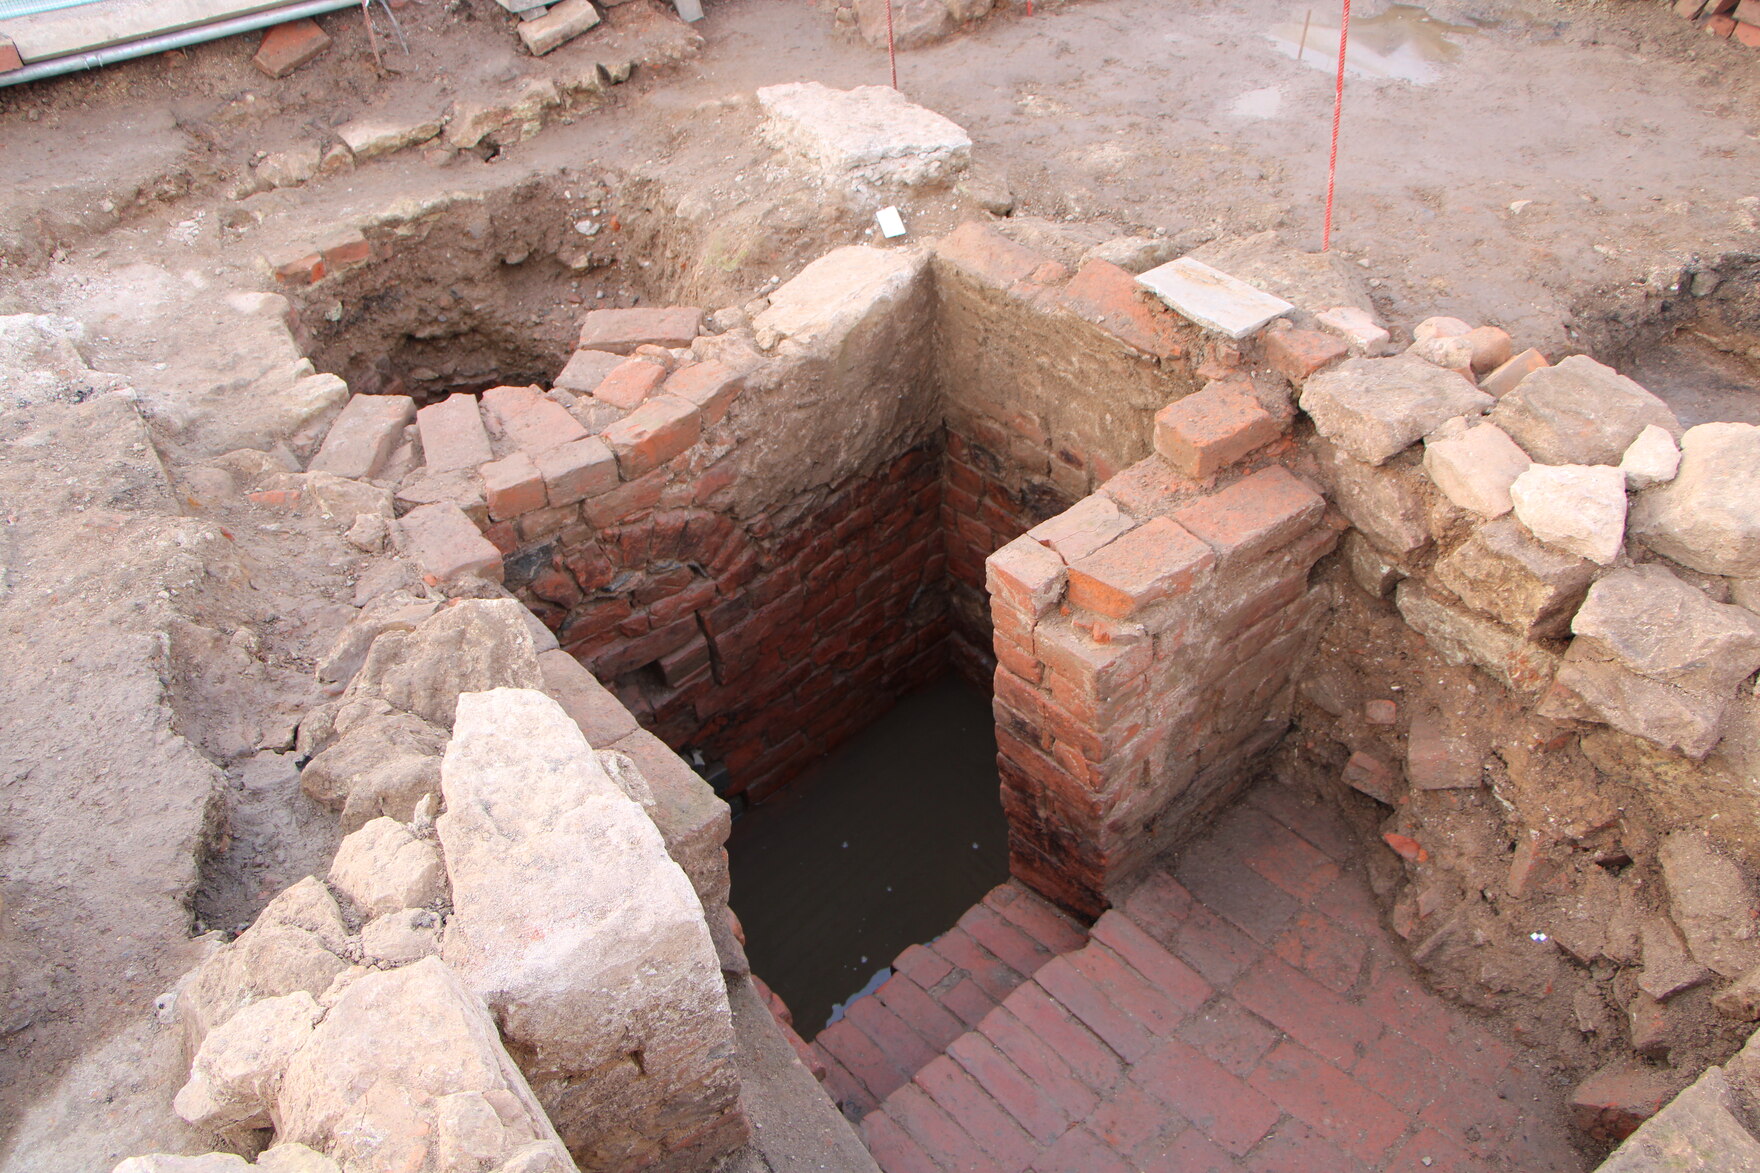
(882, 845)
(1404, 43)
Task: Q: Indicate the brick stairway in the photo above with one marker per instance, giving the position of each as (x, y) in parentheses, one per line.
(1245, 1012)
(938, 992)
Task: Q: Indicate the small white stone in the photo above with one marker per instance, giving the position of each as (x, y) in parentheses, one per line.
(1439, 328)
(1652, 459)
(1576, 507)
(1212, 298)
(1357, 327)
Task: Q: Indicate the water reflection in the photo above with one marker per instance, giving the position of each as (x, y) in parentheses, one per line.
(1404, 43)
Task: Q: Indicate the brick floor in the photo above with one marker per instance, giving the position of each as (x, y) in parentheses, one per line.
(937, 993)
(1244, 1011)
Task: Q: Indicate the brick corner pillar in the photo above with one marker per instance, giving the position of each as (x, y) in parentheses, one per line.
(1142, 664)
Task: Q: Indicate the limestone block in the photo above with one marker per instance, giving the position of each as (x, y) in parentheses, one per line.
(838, 295)
(172, 1163)
(1357, 326)
(473, 645)
(295, 1158)
(383, 867)
(1453, 353)
(558, 26)
(1579, 412)
(1708, 517)
(587, 941)
(1385, 503)
(1591, 688)
(1475, 466)
(1712, 903)
(237, 1070)
(396, 611)
(915, 23)
(1700, 1129)
(440, 535)
(692, 820)
(383, 765)
(1133, 254)
(1652, 459)
(294, 945)
(1374, 408)
(369, 1085)
(1503, 572)
(1658, 626)
(346, 499)
(400, 937)
(368, 137)
(1440, 326)
(1579, 508)
(871, 135)
(1465, 638)
(1213, 299)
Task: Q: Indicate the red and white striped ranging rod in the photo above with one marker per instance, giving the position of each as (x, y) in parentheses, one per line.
(1344, 33)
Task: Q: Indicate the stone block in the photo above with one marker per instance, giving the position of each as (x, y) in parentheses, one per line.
(1211, 429)
(1253, 516)
(577, 470)
(1579, 508)
(1652, 623)
(1212, 299)
(1653, 459)
(512, 486)
(1296, 354)
(870, 135)
(236, 1073)
(652, 434)
(709, 386)
(1369, 567)
(1462, 637)
(1668, 967)
(1475, 466)
(529, 420)
(446, 544)
(384, 867)
(1440, 326)
(1374, 408)
(1509, 375)
(558, 26)
(400, 937)
(912, 23)
(1502, 572)
(1700, 1129)
(1082, 528)
(588, 942)
(472, 645)
(1708, 517)
(368, 138)
(1711, 901)
(1386, 504)
(838, 294)
(1357, 327)
(600, 716)
(1491, 348)
(1453, 353)
(691, 819)
(628, 385)
(288, 46)
(1579, 412)
(378, 1084)
(363, 435)
(1590, 688)
(461, 487)
(453, 436)
(382, 764)
(1153, 562)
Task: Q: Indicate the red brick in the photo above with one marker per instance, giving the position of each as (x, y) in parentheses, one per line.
(1170, 977)
(977, 1113)
(453, 434)
(1253, 516)
(446, 544)
(1026, 575)
(630, 383)
(1280, 855)
(1012, 1090)
(1406, 847)
(1191, 1152)
(1080, 1151)
(1221, 1106)
(304, 269)
(1296, 354)
(1050, 1071)
(652, 434)
(1307, 1011)
(1324, 950)
(1293, 1147)
(1747, 34)
(513, 486)
(901, 1045)
(288, 46)
(1095, 1006)
(1106, 295)
(621, 331)
(986, 256)
(1211, 429)
(968, 1001)
(845, 1089)
(1082, 528)
(922, 966)
(862, 1058)
(1131, 1121)
(1230, 1035)
(1028, 911)
(1370, 775)
(345, 250)
(959, 947)
(936, 1131)
(893, 1148)
(528, 419)
(644, 649)
(1013, 947)
(708, 386)
(926, 1016)
(1157, 560)
(1717, 26)
(577, 470)
(1090, 1057)
(1431, 1152)
(1611, 1103)
(9, 58)
(625, 501)
(1321, 1096)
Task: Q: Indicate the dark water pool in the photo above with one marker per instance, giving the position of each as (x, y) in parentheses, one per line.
(881, 845)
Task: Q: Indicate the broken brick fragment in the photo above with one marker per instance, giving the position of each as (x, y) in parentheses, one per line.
(288, 46)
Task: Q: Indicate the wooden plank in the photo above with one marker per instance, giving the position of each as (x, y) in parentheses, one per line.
(114, 22)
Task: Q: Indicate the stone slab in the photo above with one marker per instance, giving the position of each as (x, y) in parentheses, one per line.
(1213, 299)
